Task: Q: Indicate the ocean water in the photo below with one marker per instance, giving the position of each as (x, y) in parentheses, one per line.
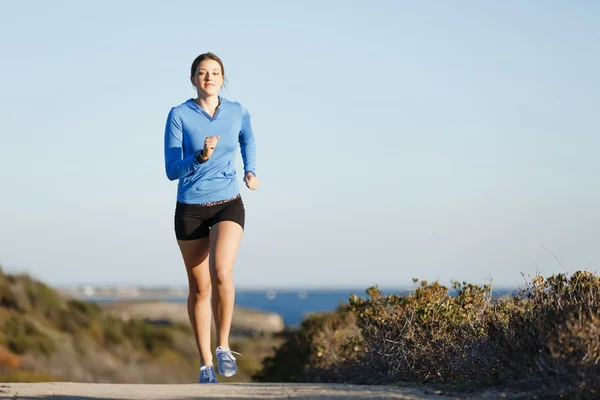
(292, 305)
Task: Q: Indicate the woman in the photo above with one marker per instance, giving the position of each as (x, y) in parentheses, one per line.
(201, 140)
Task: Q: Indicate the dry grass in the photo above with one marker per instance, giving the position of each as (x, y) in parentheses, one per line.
(546, 335)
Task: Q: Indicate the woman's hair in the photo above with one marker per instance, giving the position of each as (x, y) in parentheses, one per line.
(208, 56)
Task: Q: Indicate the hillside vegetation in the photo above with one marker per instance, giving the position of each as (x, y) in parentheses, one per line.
(47, 337)
(544, 338)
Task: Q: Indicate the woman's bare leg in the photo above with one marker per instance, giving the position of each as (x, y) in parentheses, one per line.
(196, 258)
(225, 238)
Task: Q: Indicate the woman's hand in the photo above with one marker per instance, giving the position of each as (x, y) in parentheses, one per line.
(209, 146)
(251, 181)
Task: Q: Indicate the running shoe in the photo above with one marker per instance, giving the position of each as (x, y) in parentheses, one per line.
(226, 362)
(207, 375)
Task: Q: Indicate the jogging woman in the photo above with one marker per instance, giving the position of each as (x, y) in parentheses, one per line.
(201, 141)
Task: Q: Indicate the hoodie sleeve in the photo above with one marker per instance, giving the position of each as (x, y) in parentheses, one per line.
(176, 165)
(247, 143)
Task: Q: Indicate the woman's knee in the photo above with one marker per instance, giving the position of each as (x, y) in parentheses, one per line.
(223, 275)
(199, 290)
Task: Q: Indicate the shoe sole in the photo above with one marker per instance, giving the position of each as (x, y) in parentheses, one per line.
(228, 374)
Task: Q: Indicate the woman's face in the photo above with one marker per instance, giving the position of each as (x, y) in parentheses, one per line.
(208, 78)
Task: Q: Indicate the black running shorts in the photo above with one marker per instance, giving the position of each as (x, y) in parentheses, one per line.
(193, 221)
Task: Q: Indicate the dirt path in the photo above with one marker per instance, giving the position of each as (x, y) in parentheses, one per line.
(243, 391)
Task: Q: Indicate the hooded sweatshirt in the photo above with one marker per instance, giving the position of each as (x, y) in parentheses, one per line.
(186, 128)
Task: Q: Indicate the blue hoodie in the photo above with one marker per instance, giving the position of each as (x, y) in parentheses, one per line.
(187, 127)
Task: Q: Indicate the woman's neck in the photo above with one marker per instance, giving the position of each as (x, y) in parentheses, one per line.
(208, 104)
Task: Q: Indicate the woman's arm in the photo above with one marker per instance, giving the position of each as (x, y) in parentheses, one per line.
(176, 166)
(247, 143)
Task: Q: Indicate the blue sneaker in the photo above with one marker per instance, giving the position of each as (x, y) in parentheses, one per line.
(226, 362)
(207, 375)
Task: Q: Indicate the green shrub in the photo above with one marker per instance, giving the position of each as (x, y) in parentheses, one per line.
(77, 316)
(321, 351)
(43, 299)
(144, 335)
(428, 335)
(22, 336)
(112, 331)
(7, 298)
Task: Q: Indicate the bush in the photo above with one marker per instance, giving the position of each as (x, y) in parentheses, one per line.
(321, 351)
(76, 317)
(553, 338)
(43, 299)
(22, 336)
(546, 335)
(428, 335)
(7, 298)
(113, 332)
(146, 336)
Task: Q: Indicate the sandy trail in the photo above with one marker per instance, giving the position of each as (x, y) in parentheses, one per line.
(243, 391)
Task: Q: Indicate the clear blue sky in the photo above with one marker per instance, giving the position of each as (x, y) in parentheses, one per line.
(396, 139)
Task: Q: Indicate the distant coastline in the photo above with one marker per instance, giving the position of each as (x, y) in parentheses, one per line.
(130, 292)
(292, 305)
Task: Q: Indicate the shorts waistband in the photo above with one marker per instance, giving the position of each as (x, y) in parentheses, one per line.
(214, 203)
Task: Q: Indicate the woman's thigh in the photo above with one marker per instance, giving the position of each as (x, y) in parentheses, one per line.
(225, 239)
(195, 255)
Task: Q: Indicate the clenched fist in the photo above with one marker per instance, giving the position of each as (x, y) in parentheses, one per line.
(251, 181)
(209, 146)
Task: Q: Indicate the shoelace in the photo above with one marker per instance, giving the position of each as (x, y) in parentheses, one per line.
(228, 353)
(205, 375)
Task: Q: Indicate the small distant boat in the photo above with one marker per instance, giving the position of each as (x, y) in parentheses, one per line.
(302, 295)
